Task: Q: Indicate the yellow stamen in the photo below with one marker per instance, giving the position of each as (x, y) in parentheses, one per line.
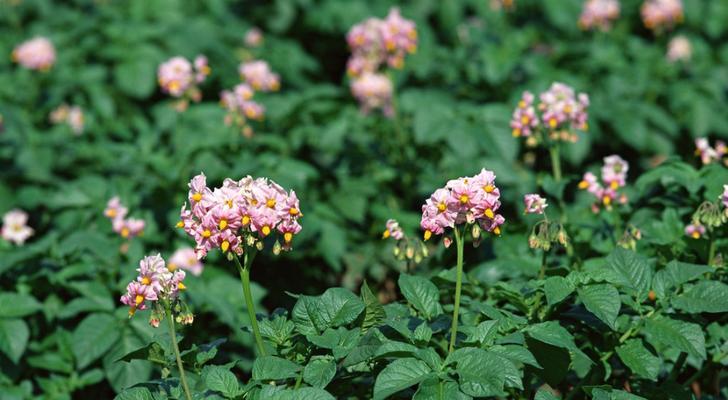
(614, 185)
(246, 219)
(385, 234)
(497, 230)
(139, 299)
(525, 119)
(607, 200)
(553, 122)
(583, 185)
(171, 267)
(489, 188)
(271, 203)
(464, 198)
(224, 246)
(293, 211)
(111, 213)
(173, 86)
(229, 203)
(146, 280)
(489, 213)
(125, 232)
(428, 235)
(181, 286)
(266, 230)
(441, 207)
(516, 132)
(197, 196)
(206, 233)
(696, 235)
(132, 310)
(223, 224)
(180, 224)
(287, 237)
(521, 104)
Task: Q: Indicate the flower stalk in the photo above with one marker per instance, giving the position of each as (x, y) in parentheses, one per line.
(459, 243)
(244, 270)
(173, 337)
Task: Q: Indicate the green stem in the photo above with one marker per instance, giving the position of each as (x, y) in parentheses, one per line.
(458, 285)
(555, 162)
(542, 273)
(711, 250)
(173, 338)
(244, 271)
(677, 367)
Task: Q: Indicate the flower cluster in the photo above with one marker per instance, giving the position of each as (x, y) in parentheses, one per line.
(180, 78)
(535, 204)
(471, 200)
(126, 227)
(71, 115)
(259, 76)
(561, 110)
(253, 37)
(709, 216)
(185, 258)
(155, 282)
(599, 14)
(679, 49)
(614, 176)
(373, 91)
(375, 43)
(405, 247)
(241, 108)
(239, 215)
(37, 53)
(661, 14)
(15, 227)
(710, 154)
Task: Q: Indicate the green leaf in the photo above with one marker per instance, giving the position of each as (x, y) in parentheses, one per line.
(221, 380)
(93, 337)
(515, 352)
(482, 373)
(603, 301)
(399, 375)
(123, 374)
(552, 333)
(423, 333)
(341, 341)
(543, 394)
(483, 332)
(14, 336)
(675, 274)
(600, 394)
(422, 294)
(684, 336)
(557, 288)
(319, 372)
(306, 393)
(705, 296)
(630, 270)
(336, 307)
(373, 310)
(433, 388)
(14, 305)
(136, 393)
(640, 360)
(271, 368)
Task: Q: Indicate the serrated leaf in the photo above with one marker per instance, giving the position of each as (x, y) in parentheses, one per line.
(399, 375)
(603, 301)
(640, 360)
(14, 305)
(705, 296)
(336, 307)
(14, 334)
(545, 395)
(221, 380)
(271, 368)
(681, 335)
(675, 274)
(422, 294)
(557, 288)
(629, 270)
(136, 393)
(93, 337)
(373, 310)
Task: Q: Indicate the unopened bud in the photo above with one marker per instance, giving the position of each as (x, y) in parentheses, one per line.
(418, 258)
(229, 256)
(410, 252)
(259, 245)
(276, 248)
(447, 242)
(250, 240)
(424, 250)
(396, 251)
(476, 231)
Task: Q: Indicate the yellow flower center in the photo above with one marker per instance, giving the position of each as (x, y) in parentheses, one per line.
(271, 203)
(171, 267)
(146, 280)
(497, 230)
(125, 232)
(441, 207)
(614, 185)
(552, 122)
(287, 237)
(607, 200)
(696, 235)
(428, 234)
(385, 234)
(522, 104)
(525, 119)
(489, 188)
(246, 219)
(516, 132)
(206, 233)
(138, 299)
(181, 286)
(583, 185)
(293, 211)
(111, 213)
(180, 224)
(223, 224)
(266, 230)
(224, 246)
(489, 213)
(197, 196)
(464, 198)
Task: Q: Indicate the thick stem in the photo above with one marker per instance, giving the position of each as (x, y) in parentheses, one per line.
(677, 367)
(711, 250)
(244, 271)
(458, 285)
(555, 162)
(542, 273)
(173, 338)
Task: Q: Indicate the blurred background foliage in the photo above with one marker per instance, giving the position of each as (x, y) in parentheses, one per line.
(352, 172)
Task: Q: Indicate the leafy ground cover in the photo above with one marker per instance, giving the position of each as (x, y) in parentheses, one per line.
(232, 200)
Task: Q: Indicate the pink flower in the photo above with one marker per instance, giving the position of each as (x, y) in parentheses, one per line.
(393, 230)
(724, 197)
(136, 295)
(374, 42)
(560, 105)
(185, 258)
(373, 91)
(599, 14)
(399, 36)
(695, 230)
(524, 116)
(679, 49)
(463, 200)
(15, 228)
(128, 228)
(614, 171)
(114, 209)
(175, 76)
(535, 204)
(258, 75)
(37, 53)
(71, 115)
(614, 176)
(202, 69)
(240, 107)
(253, 37)
(661, 14)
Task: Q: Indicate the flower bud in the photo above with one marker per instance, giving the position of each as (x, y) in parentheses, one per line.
(396, 251)
(410, 252)
(259, 245)
(424, 250)
(418, 258)
(447, 242)
(229, 256)
(276, 248)
(250, 240)
(476, 231)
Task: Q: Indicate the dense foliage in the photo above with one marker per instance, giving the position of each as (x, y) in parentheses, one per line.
(618, 291)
